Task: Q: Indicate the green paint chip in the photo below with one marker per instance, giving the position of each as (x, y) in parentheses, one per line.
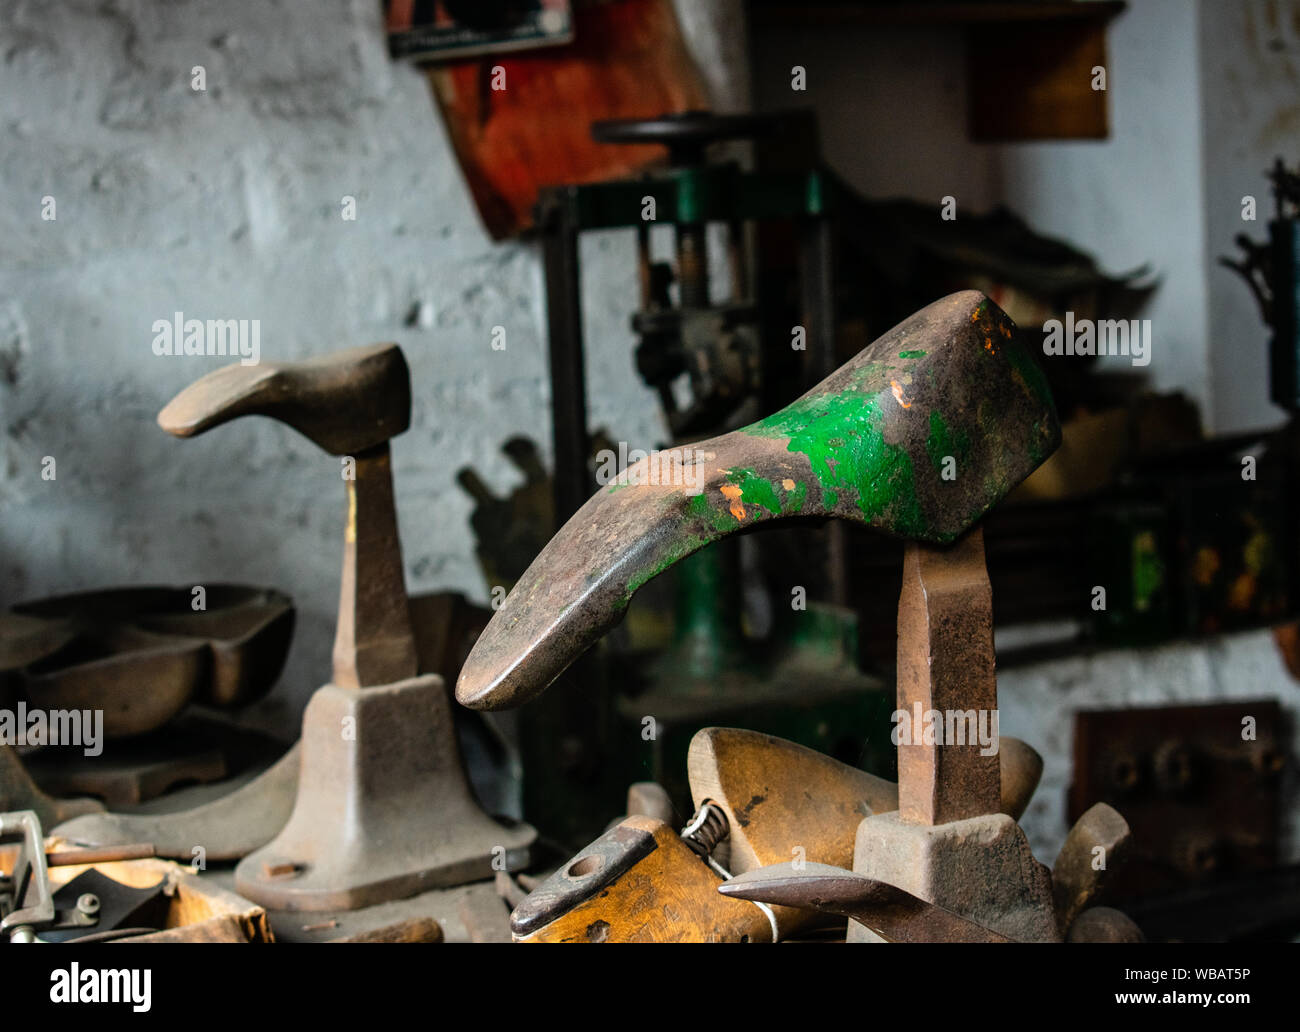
(944, 441)
(842, 437)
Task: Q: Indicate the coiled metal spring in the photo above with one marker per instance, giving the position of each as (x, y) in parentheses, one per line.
(706, 829)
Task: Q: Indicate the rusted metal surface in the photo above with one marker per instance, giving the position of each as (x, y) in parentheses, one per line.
(345, 402)
(247, 631)
(1104, 924)
(1200, 785)
(950, 390)
(26, 639)
(251, 815)
(386, 811)
(510, 891)
(590, 872)
(1097, 844)
(134, 772)
(382, 814)
(373, 642)
(19, 792)
(224, 829)
(482, 913)
(105, 854)
(140, 655)
(945, 668)
(137, 680)
(349, 403)
(890, 912)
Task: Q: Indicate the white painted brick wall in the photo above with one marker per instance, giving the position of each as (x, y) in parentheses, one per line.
(226, 204)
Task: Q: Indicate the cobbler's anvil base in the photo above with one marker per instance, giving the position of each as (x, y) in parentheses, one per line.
(980, 867)
(384, 810)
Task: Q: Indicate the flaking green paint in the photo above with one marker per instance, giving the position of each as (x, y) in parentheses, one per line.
(716, 516)
(943, 442)
(842, 437)
(756, 490)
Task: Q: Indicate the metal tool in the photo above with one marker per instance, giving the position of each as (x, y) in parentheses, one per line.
(648, 799)
(137, 657)
(950, 389)
(234, 825)
(714, 344)
(142, 653)
(947, 844)
(760, 800)
(349, 403)
(112, 907)
(779, 797)
(27, 905)
(19, 792)
(382, 809)
(639, 882)
(945, 665)
(224, 829)
(1096, 845)
(385, 812)
(892, 913)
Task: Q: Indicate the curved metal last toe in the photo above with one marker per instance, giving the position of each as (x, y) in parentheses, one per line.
(918, 436)
(224, 829)
(345, 402)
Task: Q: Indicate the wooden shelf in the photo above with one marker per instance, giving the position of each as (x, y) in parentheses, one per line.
(1029, 65)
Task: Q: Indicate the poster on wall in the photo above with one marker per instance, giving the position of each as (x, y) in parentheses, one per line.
(445, 30)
